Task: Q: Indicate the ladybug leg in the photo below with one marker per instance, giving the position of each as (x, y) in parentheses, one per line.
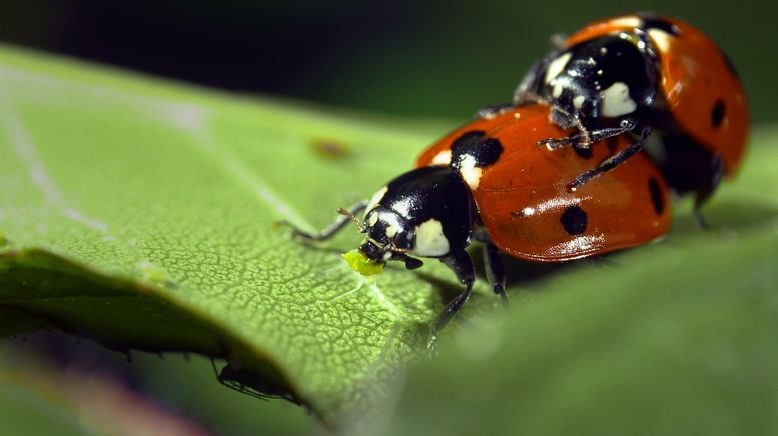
(492, 111)
(410, 262)
(585, 137)
(495, 270)
(344, 216)
(613, 161)
(462, 265)
(703, 193)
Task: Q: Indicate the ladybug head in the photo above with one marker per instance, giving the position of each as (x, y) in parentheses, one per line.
(386, 233)
(426, 212)
(612, 77)
(387, 237)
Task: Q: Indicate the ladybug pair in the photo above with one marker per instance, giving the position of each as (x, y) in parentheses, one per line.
(594, 103)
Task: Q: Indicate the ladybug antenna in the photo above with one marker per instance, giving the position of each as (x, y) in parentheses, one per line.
(347, 213)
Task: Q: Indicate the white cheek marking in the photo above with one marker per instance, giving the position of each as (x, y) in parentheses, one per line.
(616, 101)
(372, 219)
(557, 91)
(557, 66)
(470, 172)
(442, 158)
(391, 230)
(578, 101)
(375, 199)
(661, 39)
(430, 240)
(392, 220)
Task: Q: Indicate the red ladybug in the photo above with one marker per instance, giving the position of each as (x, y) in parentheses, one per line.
(489, 181)
(633, 72)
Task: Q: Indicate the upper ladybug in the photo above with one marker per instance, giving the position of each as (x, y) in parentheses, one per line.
(644, 72)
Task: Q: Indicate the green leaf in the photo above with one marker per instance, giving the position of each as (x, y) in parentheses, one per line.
(141, 214)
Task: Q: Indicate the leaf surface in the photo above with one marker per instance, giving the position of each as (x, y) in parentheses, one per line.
(141, 214)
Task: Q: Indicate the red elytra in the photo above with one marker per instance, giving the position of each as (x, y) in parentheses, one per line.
(523, 197)
(697, 82)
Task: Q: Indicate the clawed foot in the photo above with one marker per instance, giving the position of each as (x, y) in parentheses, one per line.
(556, 143)
(578, 141)
(585, 137)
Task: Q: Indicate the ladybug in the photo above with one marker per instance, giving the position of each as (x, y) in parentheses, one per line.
(489, 182)
(632, 72)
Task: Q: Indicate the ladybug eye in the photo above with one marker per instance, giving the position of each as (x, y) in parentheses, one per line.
(718, 113)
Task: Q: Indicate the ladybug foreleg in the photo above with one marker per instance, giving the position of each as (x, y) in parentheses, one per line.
(613, 161)
(410, 262)
(344, 216)
(585, 137)
(462, 265)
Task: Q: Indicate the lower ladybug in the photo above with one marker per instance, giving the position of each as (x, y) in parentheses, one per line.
(488, 181)
(628, 73)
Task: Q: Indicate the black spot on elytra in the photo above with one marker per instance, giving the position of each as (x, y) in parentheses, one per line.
(465, 141)
(718, 113)
(488, 151)
(574, 220)
(485, 151)
(651, 21)
(657, 198)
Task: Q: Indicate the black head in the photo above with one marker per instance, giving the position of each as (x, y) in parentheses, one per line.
(608, 77)
(386, 232)
(426, 212)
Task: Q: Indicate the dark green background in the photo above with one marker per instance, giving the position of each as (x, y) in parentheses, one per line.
(436, 58)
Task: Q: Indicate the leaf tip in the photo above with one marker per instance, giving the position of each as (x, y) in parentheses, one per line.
(361, 264)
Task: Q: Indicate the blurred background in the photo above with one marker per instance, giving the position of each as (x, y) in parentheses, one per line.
(438, 59)
(433, 59)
